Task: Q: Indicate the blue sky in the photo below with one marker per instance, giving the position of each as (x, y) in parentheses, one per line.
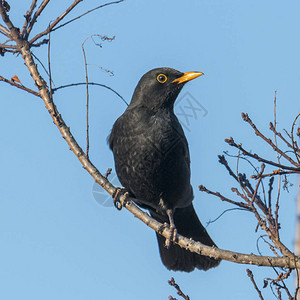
(57, 241)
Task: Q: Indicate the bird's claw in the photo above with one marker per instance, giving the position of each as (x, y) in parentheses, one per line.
(162, 227)
(118, 203)
(173, 231)
(172, 237)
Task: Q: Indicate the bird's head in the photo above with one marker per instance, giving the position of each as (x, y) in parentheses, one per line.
(160, 87)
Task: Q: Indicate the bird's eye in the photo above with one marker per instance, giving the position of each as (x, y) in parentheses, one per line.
(162, 78)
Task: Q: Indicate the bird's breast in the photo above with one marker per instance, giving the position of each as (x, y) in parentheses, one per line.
(152, 158)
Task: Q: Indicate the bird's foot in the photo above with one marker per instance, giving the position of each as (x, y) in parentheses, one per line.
(118, 194)
(172, 237)
(162, 227)
(173, 231)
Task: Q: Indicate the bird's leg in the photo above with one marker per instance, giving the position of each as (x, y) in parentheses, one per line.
(117, 195)
(173, 230)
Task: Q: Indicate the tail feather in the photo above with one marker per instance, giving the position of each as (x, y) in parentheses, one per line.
(179, 259)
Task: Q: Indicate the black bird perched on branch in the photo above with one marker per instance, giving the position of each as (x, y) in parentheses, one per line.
(153, 164)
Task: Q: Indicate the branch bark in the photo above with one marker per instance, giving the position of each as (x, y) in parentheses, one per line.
(19, 86)
(289, 261)
(197, 247)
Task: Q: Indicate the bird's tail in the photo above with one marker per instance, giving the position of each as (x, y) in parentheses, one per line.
(179, 259)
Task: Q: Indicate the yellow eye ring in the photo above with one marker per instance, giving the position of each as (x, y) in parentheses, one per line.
(162, 78)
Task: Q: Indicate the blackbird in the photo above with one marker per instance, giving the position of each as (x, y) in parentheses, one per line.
(152, 162)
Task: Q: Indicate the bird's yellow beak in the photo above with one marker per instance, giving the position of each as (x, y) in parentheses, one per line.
(187, 77)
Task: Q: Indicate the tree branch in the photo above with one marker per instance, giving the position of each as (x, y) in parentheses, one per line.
(197, 247)
(179, 291)
(268, 141)
(19, 86)
(273, 129)
(202, 249)
(231, 142)
(217, 194)
(87, 98)
(289, 261)
(295, 146)
(67, 11)
(90, 83)
(34, 18)
(4, 46)
(4, 31)
(275, 172)
(28, 16)
(250, 274)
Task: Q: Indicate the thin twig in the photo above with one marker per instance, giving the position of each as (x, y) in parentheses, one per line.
(34, 18)
(90, 83)
(3, 51)
(89, 11)
(4, 31)
(28, 16)
(276, 172)
(13, 32)
(235, 190)
(250, 274)
(276, 213)
(8, 46)
(295, 146)
(271, 230)
(108, 172)
(231, 142)
(245, 184)
(217, 194)
(177, 287)
(7, 41)
(272, 128)
(75, 3)
(49, 64)
(240, 178)
(272, 248)
(271, 182)
(20, 86)
(44, 68)
(223, 213)
(280, 278)
(257, 185)
(235, 156)
(46, 31)
(43, 42)
(87, 99)
(269, 141)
